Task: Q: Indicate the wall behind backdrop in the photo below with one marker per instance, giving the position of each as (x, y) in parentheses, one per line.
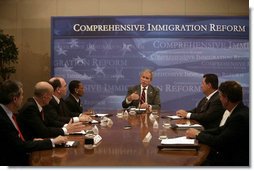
(108, 53)
(30, 23)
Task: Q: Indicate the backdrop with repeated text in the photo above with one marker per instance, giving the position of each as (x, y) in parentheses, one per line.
(108, 62)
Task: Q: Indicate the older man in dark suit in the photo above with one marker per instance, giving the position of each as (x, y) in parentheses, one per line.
(143, 95)
(56, 112)
(32, 120)
(14, 148)
(230, 142)
(209, 110)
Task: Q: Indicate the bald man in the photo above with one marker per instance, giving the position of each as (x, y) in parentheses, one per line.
(32, 120)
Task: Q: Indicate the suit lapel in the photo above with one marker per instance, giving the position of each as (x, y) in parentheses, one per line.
(206, 104)
(239, 106)
(77, 104)
(7, 119)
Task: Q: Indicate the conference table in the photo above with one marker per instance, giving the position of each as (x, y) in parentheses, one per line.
(125, 142)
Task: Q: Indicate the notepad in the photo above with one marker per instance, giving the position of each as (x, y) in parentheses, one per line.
(179, 143)
(68, 144)
(178, 140)
(83, 132)
(101, 114)
(186, 126)
(175, 117)
(94, 121)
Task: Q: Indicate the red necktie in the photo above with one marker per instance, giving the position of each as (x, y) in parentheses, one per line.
(20, 134)
(143, 96)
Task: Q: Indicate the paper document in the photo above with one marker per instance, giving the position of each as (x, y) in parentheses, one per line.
(101, 114)
(188, 126)
(94, 121)
(70, 143)
(175, 117)
(178, 140)
(83, 132)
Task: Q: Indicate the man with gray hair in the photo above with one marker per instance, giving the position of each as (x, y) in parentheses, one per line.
(56, 112)
(15, 148)
(32, 120)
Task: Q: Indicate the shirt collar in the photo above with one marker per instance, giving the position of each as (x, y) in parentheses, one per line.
(210, 95)
(75, 98)
(143, 87)
(38, 105)
(56, 98)
(233, 109)
(9, 114)
(7, 110)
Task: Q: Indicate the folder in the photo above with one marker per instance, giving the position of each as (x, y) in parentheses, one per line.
(178, 147)
(185, 126)
(179, 143)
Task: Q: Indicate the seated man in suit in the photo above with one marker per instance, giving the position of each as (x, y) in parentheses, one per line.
(73, 101)
(230, 142)
(56, 112)
(209, 110)
(143, 95)
(32, 120)
(14, 148)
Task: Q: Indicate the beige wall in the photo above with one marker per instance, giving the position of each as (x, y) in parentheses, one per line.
(29, 22)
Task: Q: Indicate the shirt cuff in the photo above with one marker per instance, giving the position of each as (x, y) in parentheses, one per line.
(65, 131)
(53, 145)
(127, 101)
(188, 115)
(75, 119)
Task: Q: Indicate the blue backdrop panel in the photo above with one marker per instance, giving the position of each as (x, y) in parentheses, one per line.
(178, 49)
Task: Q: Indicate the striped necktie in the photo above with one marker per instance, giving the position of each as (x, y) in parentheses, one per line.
(143, 96)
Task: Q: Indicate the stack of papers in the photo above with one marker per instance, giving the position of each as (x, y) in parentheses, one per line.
(188, 126)
(94, 121)
(178, 140)
(83, 132)
(179, 143)
(101, 114)
(68, 144)
(175, 117)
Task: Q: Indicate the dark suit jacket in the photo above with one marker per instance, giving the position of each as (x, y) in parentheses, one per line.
(32, 125)
(14, 151)
(229, 143)
(56, 115)
(74, 107)
(210, 114)
(153, 97)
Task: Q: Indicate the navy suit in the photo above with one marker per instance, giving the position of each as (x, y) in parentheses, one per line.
(230, 142)
(32, 124)
(14, 151)
(74, 107)
(153, 97)
(208, 114)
